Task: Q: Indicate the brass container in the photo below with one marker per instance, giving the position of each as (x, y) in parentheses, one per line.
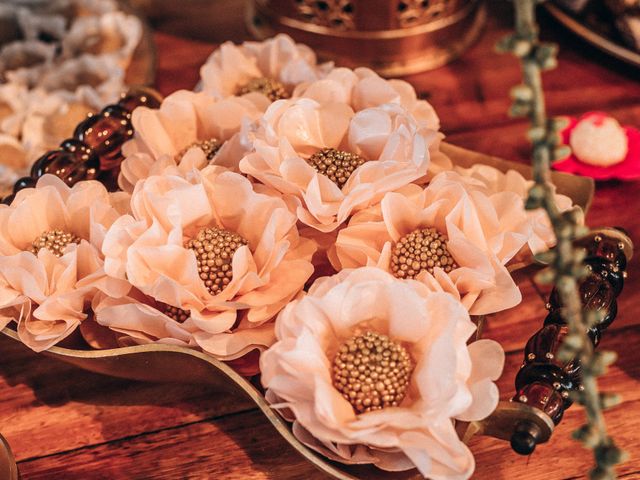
(393, 37)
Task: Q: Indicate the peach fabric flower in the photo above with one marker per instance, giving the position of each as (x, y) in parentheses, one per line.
(393, 147)
(482, 231)
(538, 229)
(181, 135)
(151, 249)
(231, 67)
(449, 381)
(47, 295)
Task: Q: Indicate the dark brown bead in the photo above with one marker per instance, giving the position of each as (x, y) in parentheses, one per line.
(555, 318)
(70, 166)
(140, 97)
(8, 199)
(546, 373)
(606, 248)
(608, 271)
(76, 146)
(596, 294)
(543, 347)
(105, 133)
(24, 182)
(544, 397)
(109, 178)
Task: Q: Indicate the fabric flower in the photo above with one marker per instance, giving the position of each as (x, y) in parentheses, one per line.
(270, 69)
(626, 169)
(449, 233)
(189, 130)
(333, 162)
(437, 378)
(112, 34)
(538, 230)
(50, 262)
(362, 88)
(25, 61)
(214, 262)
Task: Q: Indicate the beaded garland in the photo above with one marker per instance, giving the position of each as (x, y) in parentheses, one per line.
(94, 152)
(547, 381)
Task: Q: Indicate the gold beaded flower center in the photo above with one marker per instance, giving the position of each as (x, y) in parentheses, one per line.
(175, 313)
(372, 372)
(423, 249)
(209, 147)
(272, 89)
(338, 165)
(55, 241)
(214, 249)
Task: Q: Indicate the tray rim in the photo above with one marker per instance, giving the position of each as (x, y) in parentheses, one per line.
(599, 41)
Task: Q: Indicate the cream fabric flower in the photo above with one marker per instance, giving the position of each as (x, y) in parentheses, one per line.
(540, 231)
(231, 67)
(449, 381)
(151, 249)
(482, 232)
(182, 133)
(46, 294)
(393, 147)
(362, 88)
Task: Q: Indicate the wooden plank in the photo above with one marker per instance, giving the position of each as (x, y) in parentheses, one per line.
(49, 406)
(234, 448)
(202, 449)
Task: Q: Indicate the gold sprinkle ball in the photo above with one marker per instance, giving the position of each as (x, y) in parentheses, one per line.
(209, 147)
(372, 372)
(338, 165)
(423, 249)
(55, 241)
(214, 249)
(272, 89)
(175, 313)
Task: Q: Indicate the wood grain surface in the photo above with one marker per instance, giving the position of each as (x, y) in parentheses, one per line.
(63, 423)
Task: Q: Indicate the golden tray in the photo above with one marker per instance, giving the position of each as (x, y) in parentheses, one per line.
(168, 363)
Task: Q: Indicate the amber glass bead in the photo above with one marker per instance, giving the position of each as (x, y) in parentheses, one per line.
(72, 163)
(140, 97)
(105, 133)
(549, 374)
(544, 397)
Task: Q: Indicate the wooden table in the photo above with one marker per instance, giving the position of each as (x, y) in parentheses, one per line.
(64, 423)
